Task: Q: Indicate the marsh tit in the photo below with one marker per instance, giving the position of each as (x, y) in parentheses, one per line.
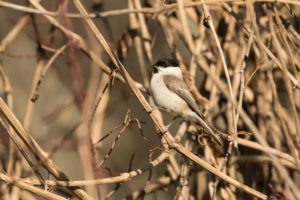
(170, 93)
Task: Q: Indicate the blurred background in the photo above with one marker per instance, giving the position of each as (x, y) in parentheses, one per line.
(67, 100)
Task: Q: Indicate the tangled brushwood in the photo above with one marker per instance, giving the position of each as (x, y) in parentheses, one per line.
(77, 120)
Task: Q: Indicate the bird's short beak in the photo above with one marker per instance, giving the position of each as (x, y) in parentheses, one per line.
(155, 69)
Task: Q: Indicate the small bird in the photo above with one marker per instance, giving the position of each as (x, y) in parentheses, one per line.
(170, 93)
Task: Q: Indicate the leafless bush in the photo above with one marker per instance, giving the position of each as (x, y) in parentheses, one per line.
(75, 99)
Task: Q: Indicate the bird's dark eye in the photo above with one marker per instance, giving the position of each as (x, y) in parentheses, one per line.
(155, 70)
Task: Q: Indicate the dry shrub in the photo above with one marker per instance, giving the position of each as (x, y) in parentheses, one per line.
(75, 99)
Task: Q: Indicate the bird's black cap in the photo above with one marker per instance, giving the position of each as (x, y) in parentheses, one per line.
(166, 62)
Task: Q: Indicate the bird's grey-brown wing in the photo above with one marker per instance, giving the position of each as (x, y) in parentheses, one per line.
(179, 87)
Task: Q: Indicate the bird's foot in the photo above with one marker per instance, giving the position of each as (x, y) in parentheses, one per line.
(170, 123)
(155, 107)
